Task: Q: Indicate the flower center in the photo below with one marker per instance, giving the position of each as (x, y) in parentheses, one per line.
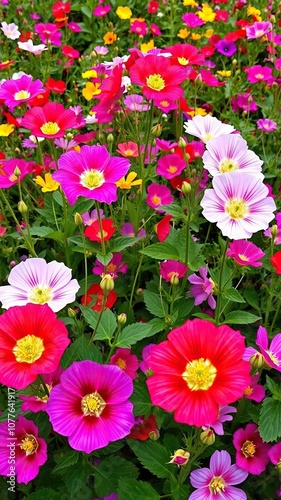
(156, 200)
(217, 484)
(273, 357)
(22, 94)
(29, 444)
(248, 449)
(248, 391)
(40, 294)
(92, 405)
(243, 257)
(199, 374)
(28, 349)
(259, 76)
(121, 363)
(50, 128)
(236, 208)
(155, 82)
(92, 179)
(172, 170)
(183, 61)
(227, 165)
(259, 32)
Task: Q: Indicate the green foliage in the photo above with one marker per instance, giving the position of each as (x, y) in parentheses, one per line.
(270, 420)
(130, 489)
(109, 472)
(153, 457)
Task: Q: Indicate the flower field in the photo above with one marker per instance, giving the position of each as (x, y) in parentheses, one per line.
(140, 235)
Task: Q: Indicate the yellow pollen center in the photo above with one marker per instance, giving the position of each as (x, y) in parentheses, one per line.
(102, 235)
(92, 405)
(111, 268)
(243, 257)
(155, 82)
(121, 363)
(217, 484)
(248, 449)
(227, 165)
(13, 178)
(172, 170)
(129, 152)
(22, 94)
(259, 76)
(259, 32)
(208, 136)
(50, 128)
(183, 61)
(236, 208)
(156, 200)
(92, 179)
(29, 444)
(199, 374)
(44, 398)
(248, 391)
(273, 358)
(40, 294)
(28, 349)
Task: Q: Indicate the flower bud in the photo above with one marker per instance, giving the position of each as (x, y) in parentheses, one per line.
(107, 283)
(278, 467)
(154, 435)
(78, 219)
(180, 457)
(122, 319)
(139, 292)
(110, 139)
(257, 361)
(181, 143)
(71, 313)
(156, 130)
(208, 437)
(22, 207)
(274, 230)
(174, 280)
(17, 171)
(185, 188)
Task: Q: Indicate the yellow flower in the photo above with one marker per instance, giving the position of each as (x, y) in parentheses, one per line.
(129, 181)
(140, 19)
(190, 3)
(196, 112)
(209, 33)
(91, 90)
(145, 47)
(48, 185)
(206, 14)
(124, 12)
(195, 36)
(91, 73)
(224, 73)
(6, 129)
(252, 11)
(183, 33)
(109, 38)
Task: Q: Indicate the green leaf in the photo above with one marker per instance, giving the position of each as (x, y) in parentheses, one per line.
(233, 295)
(161, 251)
(86, 11)
(141, 400)
(47, 493)
(109, 472)
(252, 298)
(69, 458)
(41, 231)
(123, 242)
(107, 326)
(274, 388)
(174, 210)
(79, 351)
(240, 318)
(131, 334)
(204, 316)
(157, 325)
(270, 420)
(153, 457)
(180, 491)
(104, 259)
(76, 477)
(154, 304)
(57, 195)
(130, 489)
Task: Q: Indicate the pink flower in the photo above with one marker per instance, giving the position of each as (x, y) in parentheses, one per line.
(15, 92)
(245, 253)
(139, 27)
(91, 173)
(38, 403)
(101, 10)
(223, 416)
(30, 47)
(145, 354)
(245, 101)
(170, 166)
(30, 450)
(10, 30)
(171, 271)
(203, 288)
(255, 391)
(128, 149)
(14, 170)
(259, 73)
(210, 80)
(114, 267)
(218, 480)
(125, 361)
(266, 125)
(48, 33)
(258, 29)
(192, 20)
(70, 52)
(251, 451)
(90, 405)
(50, 120)
(207, 127)
(158, 196)
(275, 454)
(74, 27)
(272, 353)
(135, 102)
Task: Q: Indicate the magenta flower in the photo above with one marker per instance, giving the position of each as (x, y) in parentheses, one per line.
(114, 267)
(218, 481)
(126, 361)
(30, 450)
(245, 101)
(202, 288)
(101, 10)
(223, 416)
(192, 20)
(90, 405)
(158, 196)
(251, 451)
(230, 152)
(14, 170)
(266, 125)
(255, 391)
(15, 92)
(207, 127)
(275, 454)
(272, 353)
(38, 403)
(170, 166)
(91, 173)
(145, 354)
(209, 79)
(48, 33)
(245, 253)
(239, 204)
(74, 27)
(171, 271)
(259, 73)
(38, 282)
(258, 29)
(226, 47)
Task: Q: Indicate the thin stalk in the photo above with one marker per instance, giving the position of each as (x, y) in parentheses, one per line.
(218, 306)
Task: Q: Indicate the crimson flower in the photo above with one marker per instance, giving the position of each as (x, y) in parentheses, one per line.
(95, 292)
(93, 232)
(49, 121)
(143, 427)
(276, 261)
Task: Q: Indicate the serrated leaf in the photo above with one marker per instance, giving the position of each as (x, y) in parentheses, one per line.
(69, 458)
(161, 251)
(204, 316)
(79, 351)
(274, 388)
(270, 420)
(154, 304)
(104, 259)
(76, 477)
(240, 318)
(47, 493)
(131, 334)
(153, 457)
(141, 400)
(157, 325)
(233, 295)
(123, 242)
(173, 210)
(107, 325)
(109, 472)
(130, 489)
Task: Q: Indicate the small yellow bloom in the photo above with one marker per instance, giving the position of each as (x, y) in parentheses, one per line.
(140, 19)
(129, 181)
(91, 73)
(124, 12)
(109, 38)
(190, 3)
(91, 90)
(196, 112)
(195, 36)
(207, 14)
(224, 73)
(209, 33)
(6, 129)
(145, 47)
(183, 33)
(252, 11)
(48, 185)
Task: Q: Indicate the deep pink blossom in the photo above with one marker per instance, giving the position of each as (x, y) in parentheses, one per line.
(126, 361)
(14, 170)
(15, 92)
(259, 73)
(171, 271)
(251, 451)
(170, 166)
(114, 267)
(245, 253)
(157, 196)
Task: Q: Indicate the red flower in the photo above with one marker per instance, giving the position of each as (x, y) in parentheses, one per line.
(57, 86)
(94, 234)
(50, 121)
(143, 427)
(152, 7)
(276, 261)
(70, 52)
(32, 341)
(59, 10)
(163, 228)
(40, 99)
(95, 291)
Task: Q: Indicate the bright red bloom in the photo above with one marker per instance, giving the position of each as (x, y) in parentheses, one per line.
(40, 99)
(159, 78)
(50, 121)
(152, 7)
(163, 228)
(95, 292)
(276, 261)
(59, 10)
(93, 231)
(185, 54)
(57, 86)
(197, 370)
(70, 52)
(32, 341)
(111, 87)
(143, 427)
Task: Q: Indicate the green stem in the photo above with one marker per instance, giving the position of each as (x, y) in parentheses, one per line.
(219, 293)
(135, 282)
(44, 385)
(99, 318)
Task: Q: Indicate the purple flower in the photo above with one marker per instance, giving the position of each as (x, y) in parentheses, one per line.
(114, 267)
(203, 288)
(207, 127)
(145, 354)
(223, 416)
(266, 125)
(218, 480)
(226, 47)
(128, 230)
(89, 218)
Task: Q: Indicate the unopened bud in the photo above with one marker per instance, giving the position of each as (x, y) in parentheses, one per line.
(156, 130)
(174, 279)
(17, 171)
(180, 458)
(69, 136)
(234, 63)
(274, 230)
(154, 435)
(78, 219)
(208, 437)
(272, 19)
(71, 313)
(107, 283)
(139, 292)
(181, 143)
(122, 319)
(22, 207)
(185, 188)
(278, 467)
(257, 361)
(110, 138)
